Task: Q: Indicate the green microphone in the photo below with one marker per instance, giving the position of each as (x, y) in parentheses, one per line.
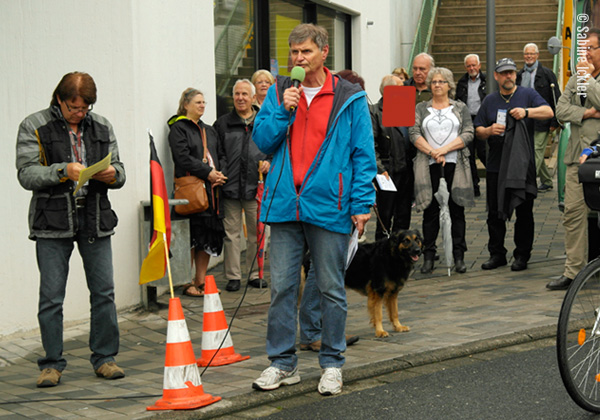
(298, 74)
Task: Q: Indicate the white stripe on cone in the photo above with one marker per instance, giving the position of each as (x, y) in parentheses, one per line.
(176, 377)
(177, 332)
(212, 339)
(212, 303)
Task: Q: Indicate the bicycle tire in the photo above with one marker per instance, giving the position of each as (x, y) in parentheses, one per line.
(578, 351)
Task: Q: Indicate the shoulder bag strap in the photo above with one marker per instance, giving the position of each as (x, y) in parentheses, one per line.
(204, 159)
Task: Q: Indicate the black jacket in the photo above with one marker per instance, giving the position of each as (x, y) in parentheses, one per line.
(544, 77)
(462, 88)
(516, 177)
(187, 151)
(393, 149)
(43, 153)
(238, 156)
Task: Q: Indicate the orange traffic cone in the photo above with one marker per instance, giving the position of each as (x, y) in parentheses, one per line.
(214, 328)
(182, 385)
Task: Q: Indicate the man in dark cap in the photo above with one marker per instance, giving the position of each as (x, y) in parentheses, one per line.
(521, 103)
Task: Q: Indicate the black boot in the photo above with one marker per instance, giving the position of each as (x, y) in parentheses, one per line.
(427, 266)
(459, 265)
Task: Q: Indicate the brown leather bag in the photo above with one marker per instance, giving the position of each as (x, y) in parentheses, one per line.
(192, 188)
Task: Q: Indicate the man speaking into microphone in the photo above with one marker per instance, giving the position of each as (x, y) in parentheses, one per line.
(319, 188)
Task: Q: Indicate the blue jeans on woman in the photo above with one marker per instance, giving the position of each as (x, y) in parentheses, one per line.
(53, 261)
(328, 253)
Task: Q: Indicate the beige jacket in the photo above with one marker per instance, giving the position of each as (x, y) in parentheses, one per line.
(569, 109)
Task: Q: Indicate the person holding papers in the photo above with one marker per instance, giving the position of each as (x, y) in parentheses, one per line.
(443, 129)
(55, 146)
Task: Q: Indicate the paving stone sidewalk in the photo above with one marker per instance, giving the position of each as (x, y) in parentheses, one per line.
(449, 317)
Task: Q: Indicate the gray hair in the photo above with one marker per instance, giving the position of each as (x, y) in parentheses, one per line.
(475, 56)
(248, 82)
(388, 80)
(446, 75)
(430, 58)
(185, 99)
(305, 31)
(531, 44)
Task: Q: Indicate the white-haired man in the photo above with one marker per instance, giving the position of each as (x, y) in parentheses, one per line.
(470, 89)
(239, 158)
(543, 80)
(422, 63)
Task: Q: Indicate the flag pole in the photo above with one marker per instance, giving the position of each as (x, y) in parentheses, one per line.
(168, 265)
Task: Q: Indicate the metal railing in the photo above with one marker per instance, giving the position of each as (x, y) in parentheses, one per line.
(232, 42)
(559, 25)
(424, 30)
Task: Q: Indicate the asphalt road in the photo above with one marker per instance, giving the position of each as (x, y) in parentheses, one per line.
(520, 382)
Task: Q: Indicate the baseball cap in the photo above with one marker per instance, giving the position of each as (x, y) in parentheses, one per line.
(505, 64)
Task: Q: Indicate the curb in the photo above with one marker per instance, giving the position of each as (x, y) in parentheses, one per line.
(255, 399)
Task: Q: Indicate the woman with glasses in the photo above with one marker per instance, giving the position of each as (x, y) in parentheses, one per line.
(262, 81)
(442, 131)
(187, 149)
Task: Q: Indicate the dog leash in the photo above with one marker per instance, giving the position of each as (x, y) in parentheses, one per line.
(385, 231)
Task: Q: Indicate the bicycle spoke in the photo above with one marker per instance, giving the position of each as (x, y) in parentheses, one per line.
(578, 338)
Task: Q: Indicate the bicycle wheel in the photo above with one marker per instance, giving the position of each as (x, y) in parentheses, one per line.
(578, 338)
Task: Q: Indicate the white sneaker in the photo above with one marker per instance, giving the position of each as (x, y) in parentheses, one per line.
(331, 381)
(272, 378)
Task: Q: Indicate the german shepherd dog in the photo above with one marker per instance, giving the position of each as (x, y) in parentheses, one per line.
(379, 271)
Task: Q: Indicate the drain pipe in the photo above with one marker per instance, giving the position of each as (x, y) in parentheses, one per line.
(490, 30)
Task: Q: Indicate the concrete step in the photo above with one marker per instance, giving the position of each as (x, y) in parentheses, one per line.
(458, 44)
(509, 18)
(500, 10)
(499, 3)
(454, 29)
(516, 55)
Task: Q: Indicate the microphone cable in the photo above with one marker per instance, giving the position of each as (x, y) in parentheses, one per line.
(128, 397)
(230, 324)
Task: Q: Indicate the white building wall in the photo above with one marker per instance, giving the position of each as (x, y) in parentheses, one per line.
(382, 35)
(142, 55)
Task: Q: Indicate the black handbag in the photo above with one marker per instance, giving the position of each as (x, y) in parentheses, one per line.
(589, 177)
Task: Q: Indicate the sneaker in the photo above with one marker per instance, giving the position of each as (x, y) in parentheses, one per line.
(543, 188)
(49, 377)
(110, 370)
(272, 378)
(331, 381)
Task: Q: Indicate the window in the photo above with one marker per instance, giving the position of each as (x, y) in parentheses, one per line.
(253, 34)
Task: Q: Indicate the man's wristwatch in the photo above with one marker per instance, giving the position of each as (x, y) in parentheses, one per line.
(526, 113)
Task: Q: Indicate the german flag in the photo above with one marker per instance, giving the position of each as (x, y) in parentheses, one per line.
(155, 263)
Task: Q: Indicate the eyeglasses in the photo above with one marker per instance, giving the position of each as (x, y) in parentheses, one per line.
(439, 82)
(75, 110)
(528, 54)
(590, 48)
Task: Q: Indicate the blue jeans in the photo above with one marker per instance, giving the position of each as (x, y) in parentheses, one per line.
(53, 262)
(329, 251)
(310, 310)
